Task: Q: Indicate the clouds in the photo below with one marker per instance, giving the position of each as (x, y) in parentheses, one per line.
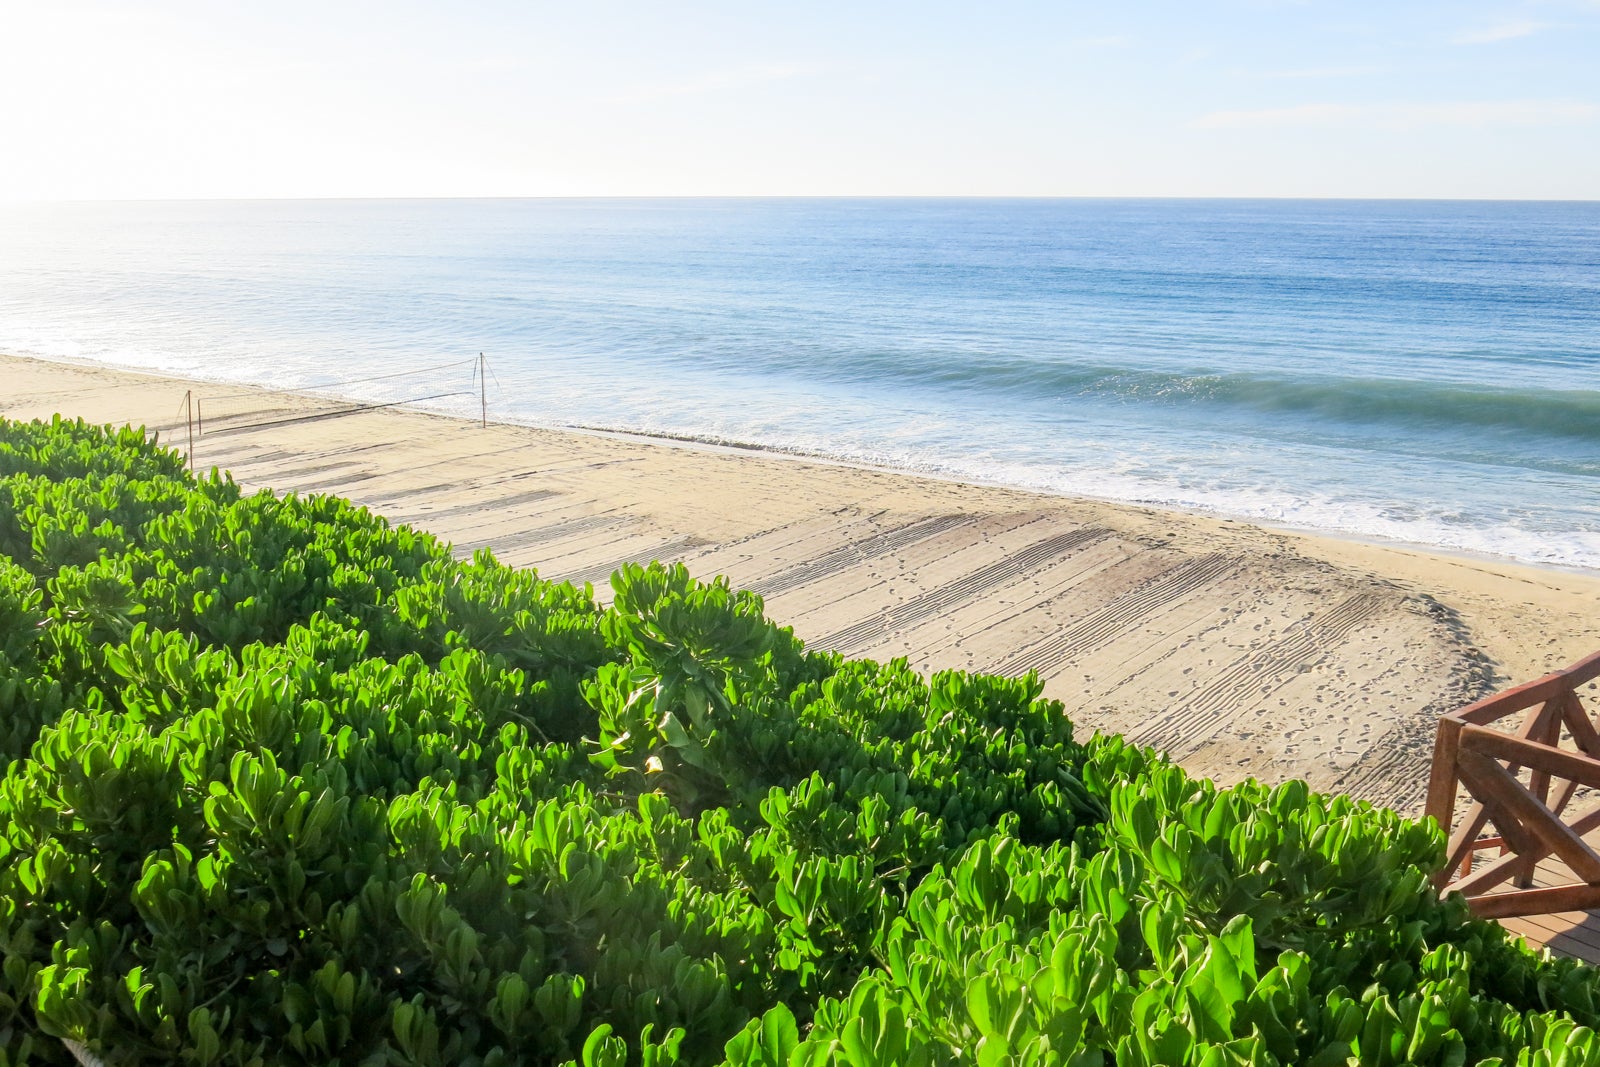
(1399, 116)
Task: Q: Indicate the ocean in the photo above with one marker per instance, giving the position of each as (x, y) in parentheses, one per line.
(1426, 372)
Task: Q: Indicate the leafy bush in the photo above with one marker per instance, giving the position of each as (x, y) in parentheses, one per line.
(287, 784)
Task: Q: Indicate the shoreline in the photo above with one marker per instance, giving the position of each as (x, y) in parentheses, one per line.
(776, 452)
(1244, 649)
(1370, 540)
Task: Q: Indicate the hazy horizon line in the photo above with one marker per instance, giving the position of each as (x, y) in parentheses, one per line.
(796, 196)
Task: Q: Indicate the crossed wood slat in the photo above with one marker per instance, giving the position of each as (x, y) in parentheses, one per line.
(1528, 817)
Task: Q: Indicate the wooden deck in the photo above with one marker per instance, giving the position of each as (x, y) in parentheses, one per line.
(1566, 933)
(1525, 764)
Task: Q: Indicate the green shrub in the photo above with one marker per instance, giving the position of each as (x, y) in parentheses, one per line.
(287, 784)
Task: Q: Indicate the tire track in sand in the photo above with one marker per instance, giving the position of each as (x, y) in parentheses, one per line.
(1197, 720)
(852, 553)
(1124, 612)
(665, 550)
(540, 534)
(921, 608)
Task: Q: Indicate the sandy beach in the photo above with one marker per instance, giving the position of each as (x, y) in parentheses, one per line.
(1243, 651)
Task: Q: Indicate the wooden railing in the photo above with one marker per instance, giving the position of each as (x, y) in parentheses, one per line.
(1558, 747)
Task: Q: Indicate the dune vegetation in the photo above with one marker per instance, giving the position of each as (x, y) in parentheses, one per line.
(287, 783)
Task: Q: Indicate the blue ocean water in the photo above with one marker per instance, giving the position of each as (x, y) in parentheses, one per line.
(1422, 371)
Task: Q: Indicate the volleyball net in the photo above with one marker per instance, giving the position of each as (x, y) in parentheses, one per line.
(207, 413)
(204, 413)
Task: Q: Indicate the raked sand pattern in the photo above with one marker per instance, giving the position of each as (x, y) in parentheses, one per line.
(1239, 650)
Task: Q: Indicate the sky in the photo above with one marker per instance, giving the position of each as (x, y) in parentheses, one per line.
(138, 99)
